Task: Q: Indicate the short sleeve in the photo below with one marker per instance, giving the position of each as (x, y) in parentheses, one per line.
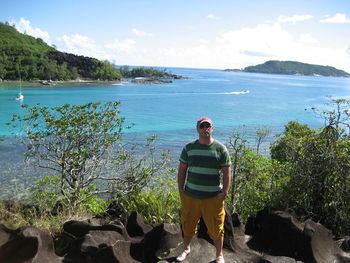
(225, 159)
(184, 156)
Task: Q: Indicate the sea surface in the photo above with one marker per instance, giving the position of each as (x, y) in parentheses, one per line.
(171, 110)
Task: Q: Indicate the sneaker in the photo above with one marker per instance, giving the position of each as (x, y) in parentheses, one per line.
(220, 259)
(183, 255)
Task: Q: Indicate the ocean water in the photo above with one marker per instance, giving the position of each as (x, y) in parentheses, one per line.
(171, 110)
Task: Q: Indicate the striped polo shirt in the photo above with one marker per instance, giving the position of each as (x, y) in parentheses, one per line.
(204, 165)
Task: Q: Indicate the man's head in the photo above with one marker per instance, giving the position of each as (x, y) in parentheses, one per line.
(205, 127)
(204, 121)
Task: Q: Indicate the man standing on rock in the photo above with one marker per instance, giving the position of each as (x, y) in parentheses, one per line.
(204, 179)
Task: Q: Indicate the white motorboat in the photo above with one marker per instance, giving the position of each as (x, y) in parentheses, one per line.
(20, 96)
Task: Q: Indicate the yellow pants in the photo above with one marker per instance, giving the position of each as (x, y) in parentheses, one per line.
(211, 209)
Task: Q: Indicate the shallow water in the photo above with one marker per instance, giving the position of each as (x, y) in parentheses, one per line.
(171, 110)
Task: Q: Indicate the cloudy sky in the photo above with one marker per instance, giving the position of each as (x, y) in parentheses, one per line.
(190, 33)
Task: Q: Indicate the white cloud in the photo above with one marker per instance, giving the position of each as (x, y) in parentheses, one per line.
(124, 45)
(337, 18)
(255, 45)
(77, 44)
(294, 19)
(211, 16)
(307, 38)
(204, 41)
(141, 33)
(23, 26)
(230, 49)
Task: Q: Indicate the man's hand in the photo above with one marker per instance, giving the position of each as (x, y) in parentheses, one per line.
(181, 176)
(221, 196)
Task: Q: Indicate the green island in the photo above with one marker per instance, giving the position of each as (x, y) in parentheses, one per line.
(293, 68)
(31, 59)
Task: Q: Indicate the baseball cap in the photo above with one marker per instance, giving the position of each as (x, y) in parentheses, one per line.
(204, 119)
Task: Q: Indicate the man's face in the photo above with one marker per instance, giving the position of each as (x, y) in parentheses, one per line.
(205, 129)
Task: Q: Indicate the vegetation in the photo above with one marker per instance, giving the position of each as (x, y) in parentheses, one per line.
(72, 141)
(308, 171)
(295, 68)
(32, 59)
(319, 174)
(146, 73)
(78, 145)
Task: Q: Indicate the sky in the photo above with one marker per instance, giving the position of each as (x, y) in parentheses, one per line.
(190, 33)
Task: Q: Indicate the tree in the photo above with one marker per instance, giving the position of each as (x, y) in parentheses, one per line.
(261, 135)
(237, 146)
(257, 181)
(107, 72)
(320, 167)
(74, 142)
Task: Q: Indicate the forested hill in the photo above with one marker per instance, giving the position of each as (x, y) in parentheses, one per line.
(295, 68)
(32, 59)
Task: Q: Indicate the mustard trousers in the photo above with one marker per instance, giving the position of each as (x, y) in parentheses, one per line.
(211, 209)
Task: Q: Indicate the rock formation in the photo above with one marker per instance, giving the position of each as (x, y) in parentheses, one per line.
(270, 237)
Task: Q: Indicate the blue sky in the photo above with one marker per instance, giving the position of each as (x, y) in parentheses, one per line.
(193, 33)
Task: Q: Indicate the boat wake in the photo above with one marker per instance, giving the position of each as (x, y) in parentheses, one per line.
(237, 92)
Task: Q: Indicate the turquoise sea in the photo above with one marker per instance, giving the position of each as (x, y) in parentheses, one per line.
(171, 110)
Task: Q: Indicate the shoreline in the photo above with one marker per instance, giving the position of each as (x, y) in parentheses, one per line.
(47, 83)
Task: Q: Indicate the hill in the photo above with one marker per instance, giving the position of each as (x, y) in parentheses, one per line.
(33, 59)
(294, 68)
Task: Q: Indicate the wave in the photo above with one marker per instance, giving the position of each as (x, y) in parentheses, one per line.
(120, 84)
(237, 92)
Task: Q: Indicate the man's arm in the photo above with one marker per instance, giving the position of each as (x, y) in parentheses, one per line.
(226, 181)
(181, 176)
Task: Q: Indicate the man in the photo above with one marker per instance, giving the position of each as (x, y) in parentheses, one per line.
(202, 164)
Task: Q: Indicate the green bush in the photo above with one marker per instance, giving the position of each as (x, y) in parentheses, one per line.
(258, 183)
(158, 203)
(319, 168)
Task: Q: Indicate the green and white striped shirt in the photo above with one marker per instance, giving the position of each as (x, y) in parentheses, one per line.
(204, 165)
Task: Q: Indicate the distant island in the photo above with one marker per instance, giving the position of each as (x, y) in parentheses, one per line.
(293, 68)
(31, 59)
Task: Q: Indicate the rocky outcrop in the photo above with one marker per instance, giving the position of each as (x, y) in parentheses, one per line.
(26, 244)
(274, 237)
(150, 81)
(280, 234)
(344, 244)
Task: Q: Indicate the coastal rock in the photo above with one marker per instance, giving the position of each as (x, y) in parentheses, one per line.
(47, 82)
(27, 244)
(80, 228)
(150, 81)
(90, 247)
(344, 244)
(160, 240)
(136, 226)
(280, 234)
(277, 238)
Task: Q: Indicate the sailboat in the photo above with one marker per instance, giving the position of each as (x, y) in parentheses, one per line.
(20, 95)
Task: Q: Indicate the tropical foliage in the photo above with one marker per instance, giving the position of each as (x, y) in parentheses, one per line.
(308, 171)
(32, 59)
(145, 72)
(319, 161)
(73, 141)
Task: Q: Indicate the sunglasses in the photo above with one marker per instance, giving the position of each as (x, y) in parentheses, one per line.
(204, 125)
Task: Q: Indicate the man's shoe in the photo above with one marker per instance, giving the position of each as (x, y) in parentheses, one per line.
(220, 259)
(183, 255)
